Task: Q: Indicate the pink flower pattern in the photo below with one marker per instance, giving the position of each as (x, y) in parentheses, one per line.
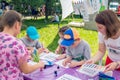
(11, 51)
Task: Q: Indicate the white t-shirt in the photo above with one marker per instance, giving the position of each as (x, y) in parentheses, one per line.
(56, 18)
(27, 43)
(112, 45)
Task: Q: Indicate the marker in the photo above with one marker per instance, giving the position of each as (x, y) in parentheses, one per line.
(55, 73)
(58, 67)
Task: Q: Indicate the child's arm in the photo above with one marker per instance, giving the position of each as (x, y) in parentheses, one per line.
(67, 60)
(40, 50)
(62, 56)
(76, 63)
(22, 58)
(58, 49)
(27, 68)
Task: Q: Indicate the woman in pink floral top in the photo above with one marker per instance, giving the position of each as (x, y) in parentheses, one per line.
(13, 53)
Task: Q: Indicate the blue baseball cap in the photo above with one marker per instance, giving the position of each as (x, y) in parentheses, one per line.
(32, 33)
(70, 35)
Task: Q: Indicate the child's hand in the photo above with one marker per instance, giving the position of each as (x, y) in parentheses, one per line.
(74, 64)
(43, 49)
(65, 62)
(40, 50)
(90, 61)
(46, 50)
(61, 57)
(57, 51)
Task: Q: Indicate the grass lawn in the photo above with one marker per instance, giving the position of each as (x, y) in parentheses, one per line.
(49, 37)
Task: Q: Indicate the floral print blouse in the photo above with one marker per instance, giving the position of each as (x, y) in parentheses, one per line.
(11, 51)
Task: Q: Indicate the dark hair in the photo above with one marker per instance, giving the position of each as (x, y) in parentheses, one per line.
(63, 29)
(9, 18)
(110, 20)
(1, 28)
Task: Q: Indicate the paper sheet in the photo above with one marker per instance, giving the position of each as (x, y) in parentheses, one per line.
(67, 77)
(91, 69)
(49, 56)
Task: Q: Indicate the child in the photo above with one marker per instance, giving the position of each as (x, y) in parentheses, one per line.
(13, 53)
(61, 49)
(55, 18)
(31, 40)
(77, 50)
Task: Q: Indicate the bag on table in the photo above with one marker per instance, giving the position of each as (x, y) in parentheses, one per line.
(103, 76)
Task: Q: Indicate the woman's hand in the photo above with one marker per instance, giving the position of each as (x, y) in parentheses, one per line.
(42, 65)
(112, 66)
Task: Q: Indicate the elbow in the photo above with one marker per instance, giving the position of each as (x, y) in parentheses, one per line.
(25, 71)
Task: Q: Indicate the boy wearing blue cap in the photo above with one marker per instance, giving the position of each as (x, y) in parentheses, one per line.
(31, 40)
(77, 50)
(61, 49)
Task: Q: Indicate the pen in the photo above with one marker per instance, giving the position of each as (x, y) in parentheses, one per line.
(41, 45)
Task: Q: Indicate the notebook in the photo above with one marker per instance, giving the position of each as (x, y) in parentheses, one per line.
(49, 56)
(67, 77)
(91, 69)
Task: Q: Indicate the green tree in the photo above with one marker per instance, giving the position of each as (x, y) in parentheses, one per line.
(22, 5)
(52, 6)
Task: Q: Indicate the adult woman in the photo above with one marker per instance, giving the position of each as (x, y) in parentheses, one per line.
(13, 53)
(108, 26)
